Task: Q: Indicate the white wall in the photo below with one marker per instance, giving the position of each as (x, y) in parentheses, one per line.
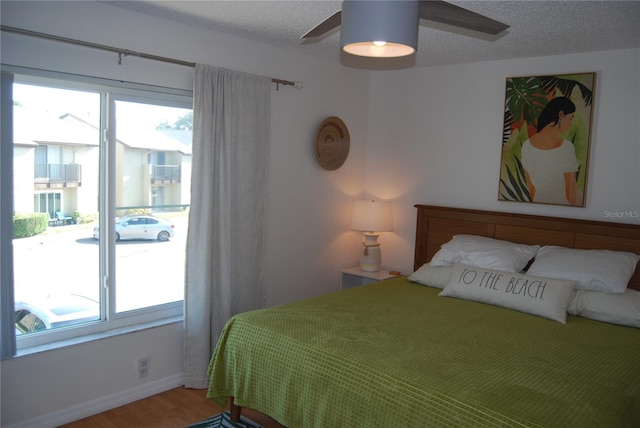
(431, 135)
(50, 388)
(23, 160)
(308, 239)
(440, 140)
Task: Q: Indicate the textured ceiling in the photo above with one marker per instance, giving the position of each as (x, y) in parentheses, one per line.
(538, 28)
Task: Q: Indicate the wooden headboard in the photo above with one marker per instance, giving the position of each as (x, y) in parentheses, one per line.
(437, 225)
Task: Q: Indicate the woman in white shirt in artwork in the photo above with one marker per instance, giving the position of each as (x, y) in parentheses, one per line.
(550, 161)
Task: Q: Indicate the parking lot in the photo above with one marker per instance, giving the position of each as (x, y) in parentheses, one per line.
(65, 260)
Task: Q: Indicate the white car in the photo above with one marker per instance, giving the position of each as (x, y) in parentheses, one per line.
(141, 227)
(45, 312)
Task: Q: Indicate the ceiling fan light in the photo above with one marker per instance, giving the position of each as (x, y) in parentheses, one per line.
(371, 49)
(366, 23)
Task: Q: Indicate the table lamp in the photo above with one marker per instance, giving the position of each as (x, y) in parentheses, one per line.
(371, 217)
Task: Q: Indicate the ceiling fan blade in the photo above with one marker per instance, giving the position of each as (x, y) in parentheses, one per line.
(447, 13)
(325, 26)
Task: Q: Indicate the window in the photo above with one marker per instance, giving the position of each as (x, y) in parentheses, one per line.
(49, 202)
(112, 253)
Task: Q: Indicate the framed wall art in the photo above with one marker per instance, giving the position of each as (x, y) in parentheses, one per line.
(545, 139)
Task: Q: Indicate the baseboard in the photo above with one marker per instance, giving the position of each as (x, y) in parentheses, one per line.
(108, 402)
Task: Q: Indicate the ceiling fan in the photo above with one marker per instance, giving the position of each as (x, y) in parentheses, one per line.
(380, 28)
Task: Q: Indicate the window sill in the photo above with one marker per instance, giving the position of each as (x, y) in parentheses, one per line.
(97, 336)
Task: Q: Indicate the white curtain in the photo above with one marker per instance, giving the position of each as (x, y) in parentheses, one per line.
(225, 242)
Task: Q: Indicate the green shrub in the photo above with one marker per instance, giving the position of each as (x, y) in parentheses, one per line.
(29, 224)
(87, 218)
(138, 211)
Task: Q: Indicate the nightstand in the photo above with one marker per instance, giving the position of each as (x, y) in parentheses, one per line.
(354, 276)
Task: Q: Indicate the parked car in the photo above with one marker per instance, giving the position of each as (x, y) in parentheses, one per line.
(45, 312)
(141, 227)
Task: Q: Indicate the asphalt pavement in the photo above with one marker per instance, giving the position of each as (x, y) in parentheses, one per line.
(65, 260)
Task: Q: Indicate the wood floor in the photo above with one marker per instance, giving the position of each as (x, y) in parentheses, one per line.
(175, 408)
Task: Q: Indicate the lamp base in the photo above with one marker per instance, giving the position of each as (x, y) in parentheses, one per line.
(371, 256)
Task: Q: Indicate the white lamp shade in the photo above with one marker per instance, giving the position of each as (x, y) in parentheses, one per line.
(372, 216)
(380, 28)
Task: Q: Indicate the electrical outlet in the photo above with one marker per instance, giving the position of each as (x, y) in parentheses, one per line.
(143, 367)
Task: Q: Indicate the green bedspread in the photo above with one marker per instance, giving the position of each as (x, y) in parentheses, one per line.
(395, 354)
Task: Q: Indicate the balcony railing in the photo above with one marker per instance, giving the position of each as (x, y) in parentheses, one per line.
(58, 175)
(165, 173)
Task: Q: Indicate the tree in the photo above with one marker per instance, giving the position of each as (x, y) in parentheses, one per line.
(184, 123)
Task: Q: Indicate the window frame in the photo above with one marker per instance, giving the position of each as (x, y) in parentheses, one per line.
(110, 322)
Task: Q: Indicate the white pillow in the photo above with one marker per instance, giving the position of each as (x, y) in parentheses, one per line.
(544, 297)
(597, 270)
(484, 252)
(426, 274)
(623, 308)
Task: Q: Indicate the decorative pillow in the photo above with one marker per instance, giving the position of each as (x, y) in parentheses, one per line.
(597, 270)
(426, 274)
(544, 297)
(484, 252)
(622, 308)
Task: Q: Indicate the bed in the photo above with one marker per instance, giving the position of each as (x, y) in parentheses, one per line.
(395, 353)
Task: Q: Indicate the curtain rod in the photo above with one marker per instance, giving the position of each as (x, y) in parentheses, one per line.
(121, 52)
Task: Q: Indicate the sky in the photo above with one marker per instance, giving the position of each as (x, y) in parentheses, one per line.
(86, 105)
